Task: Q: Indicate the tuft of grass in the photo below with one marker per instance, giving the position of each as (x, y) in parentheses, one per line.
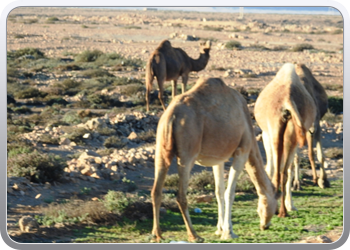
(233, 45)
(114, 142)
(51, 20)
(132, 27)
(29, 92)
(34, 52)
(301, 47)
(88, 56)
(211, 28)
(332, 118)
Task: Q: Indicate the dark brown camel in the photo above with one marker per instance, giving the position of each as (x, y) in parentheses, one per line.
(167, 63)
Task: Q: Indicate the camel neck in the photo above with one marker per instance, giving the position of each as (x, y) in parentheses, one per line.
(200, 63)
(256, 171)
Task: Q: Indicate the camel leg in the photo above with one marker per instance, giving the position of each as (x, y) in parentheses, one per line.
(160, 174)
(310, 143)
(290, 171)
(218, 172)
(268, 150)
(184, 83)
(161, 81)
(184, 176)
(322, 181)
(174, 88)
(297, 180)
(147, 97)
(239, 160)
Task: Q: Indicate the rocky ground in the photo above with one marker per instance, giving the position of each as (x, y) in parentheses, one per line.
(135, 34)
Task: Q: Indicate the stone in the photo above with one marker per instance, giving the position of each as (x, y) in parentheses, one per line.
(65, 141)
(132, 136)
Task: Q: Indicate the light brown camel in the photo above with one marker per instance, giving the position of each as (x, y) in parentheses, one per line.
(207, 125)
(167, 63)
(321, 99)
(285, 111)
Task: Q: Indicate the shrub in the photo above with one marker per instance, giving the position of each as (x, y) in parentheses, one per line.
(36, 53)
(75, 211)
(77, 135)
(88, 56)
(114, 142)
(172, 181)
(333, 118)
(38, 167)
(131, 89)
(22, 110)
(201, 180)
(18, 150)
(301, 47)
(233, 45)
(335, 104)
(29, 92)
(211, 28)
(48, 139)
(51, 20)
(129, 185)
(116, 201)
(93, 73)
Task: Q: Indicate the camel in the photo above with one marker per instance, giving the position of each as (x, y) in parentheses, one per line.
(321, 100)
(167, 63)
(284, 111)
(207, 125)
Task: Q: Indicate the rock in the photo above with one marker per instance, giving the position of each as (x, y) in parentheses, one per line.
(65, 141)
(323, 239)
(132, 136)
(87, 136)
(162, 210)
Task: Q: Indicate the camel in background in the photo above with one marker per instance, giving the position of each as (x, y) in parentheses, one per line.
(321, 100)
(207, 125)
(167, 63)
(285, 111)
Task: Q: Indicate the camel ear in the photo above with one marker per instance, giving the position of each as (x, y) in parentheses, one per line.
(208, 44)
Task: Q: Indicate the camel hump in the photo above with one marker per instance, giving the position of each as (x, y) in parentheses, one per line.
(164, 45)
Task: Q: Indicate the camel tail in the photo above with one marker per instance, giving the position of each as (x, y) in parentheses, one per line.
(297, 121)
(167, 146)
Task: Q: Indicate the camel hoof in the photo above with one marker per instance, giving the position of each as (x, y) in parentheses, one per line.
(196, 239)
(321, 183)
(228, 236)
(282, 215)
(218, 232)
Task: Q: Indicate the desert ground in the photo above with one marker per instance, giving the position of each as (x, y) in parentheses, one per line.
(266, 43)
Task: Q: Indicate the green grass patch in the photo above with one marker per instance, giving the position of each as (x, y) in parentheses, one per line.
(319, 210)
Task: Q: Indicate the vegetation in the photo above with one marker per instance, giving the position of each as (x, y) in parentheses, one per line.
(233, 45)
(38, 167)
(302, 47)
(311, 219)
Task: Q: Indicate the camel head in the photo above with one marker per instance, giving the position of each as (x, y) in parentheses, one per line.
(204, 47)
(267, 207)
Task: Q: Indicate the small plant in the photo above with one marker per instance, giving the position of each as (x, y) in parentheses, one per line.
(132, 27)
(172, 181)
(302, 47)
(199, 181)
(129, 185)
(93, 73)
(114, 142)
(116, 201)
(131, 89)
(51, 20)
(77, 135)
(88, 56)
(233, 45)
(332, 118)
(211, 28)
(48, 139)
(85, 191)
(36, 53)
(29, 93)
